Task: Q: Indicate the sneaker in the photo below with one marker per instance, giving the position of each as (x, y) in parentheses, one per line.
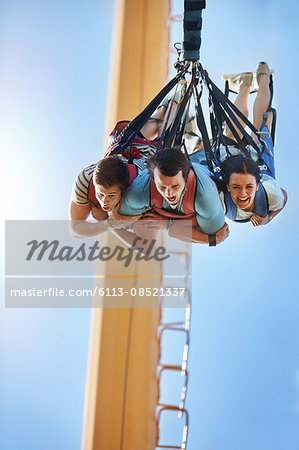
(262, 68)
(235, 80)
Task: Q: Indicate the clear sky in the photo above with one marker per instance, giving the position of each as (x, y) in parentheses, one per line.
(244, 356)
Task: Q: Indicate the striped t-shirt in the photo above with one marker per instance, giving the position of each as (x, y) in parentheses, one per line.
(84, 178)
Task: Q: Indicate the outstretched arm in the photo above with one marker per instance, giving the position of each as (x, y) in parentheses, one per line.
(257, 220)
(184, 230)
(180, 229)
(79, 227)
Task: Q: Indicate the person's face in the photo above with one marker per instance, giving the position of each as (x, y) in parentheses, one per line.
(242, 188)
(170, 188)
(108, 197)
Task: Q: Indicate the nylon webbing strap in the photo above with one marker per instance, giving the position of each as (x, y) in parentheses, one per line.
(166, 126)
(133, 128)
(228, 109)
(180, 133)
(192, 24)
(203, 130)
(176, 123)
(217, 127)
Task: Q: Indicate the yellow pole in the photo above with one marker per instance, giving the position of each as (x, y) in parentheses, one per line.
(121, 390)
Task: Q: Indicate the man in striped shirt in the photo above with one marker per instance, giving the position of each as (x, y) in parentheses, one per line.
(109, 178)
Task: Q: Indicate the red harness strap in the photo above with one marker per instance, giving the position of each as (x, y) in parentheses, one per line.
(188, 199)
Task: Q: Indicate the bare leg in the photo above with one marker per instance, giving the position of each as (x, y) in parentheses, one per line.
(153, 128)
(172, 107)
(261, 103)
(241, 103)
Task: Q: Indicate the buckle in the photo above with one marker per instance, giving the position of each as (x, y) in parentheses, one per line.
(264, 134)
(263, 167)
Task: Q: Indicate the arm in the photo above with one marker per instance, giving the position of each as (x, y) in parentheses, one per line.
(79, 227)
(78, 212)
(180, 229)
(257, 220)
(117, 220)
(80, 207)
(208, 205)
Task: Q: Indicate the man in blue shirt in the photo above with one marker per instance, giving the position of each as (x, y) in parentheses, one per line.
(173, 188)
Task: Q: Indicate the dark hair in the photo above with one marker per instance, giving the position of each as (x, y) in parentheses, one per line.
(239, 164)
(169, 161)
(112, 171)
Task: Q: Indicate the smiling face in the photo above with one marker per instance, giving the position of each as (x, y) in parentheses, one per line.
(170, 188)
(242, 188)
(108, 197)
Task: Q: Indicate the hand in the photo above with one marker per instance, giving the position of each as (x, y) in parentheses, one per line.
(148, 228)
(153, 221)
(145, 229)
(222, 234)
(117, 220)
(186, 230)
(258, 220)
(98, 213)
(153, 216)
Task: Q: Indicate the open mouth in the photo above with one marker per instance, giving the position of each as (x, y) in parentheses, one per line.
(243, 200)
(105, 208)
(171, 199)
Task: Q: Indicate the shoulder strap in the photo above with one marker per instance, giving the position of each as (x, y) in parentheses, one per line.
(261, 204)
(189, 196)
(133, 172)
(231, 207)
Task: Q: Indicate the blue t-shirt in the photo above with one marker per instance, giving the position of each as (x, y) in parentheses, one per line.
(207, 204)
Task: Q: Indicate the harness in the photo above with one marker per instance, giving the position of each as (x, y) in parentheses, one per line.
(222, 113)
(188, 199)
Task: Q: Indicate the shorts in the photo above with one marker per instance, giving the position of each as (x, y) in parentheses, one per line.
(268, 154)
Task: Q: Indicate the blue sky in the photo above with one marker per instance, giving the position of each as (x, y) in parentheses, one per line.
(244, 357)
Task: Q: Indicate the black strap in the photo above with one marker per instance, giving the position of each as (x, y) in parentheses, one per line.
(166, 126)
(179, 139)
(168, 142)
(133, 128)
(232, 111)
(212, 240)
(203, 129)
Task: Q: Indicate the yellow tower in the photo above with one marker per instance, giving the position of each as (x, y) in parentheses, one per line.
(121, 389)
